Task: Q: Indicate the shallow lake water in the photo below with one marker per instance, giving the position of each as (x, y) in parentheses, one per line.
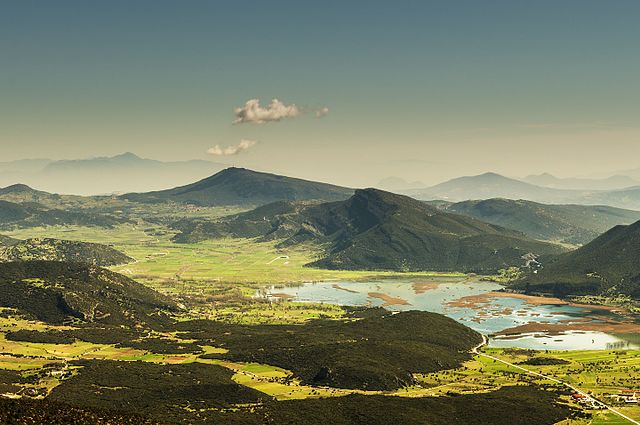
(466, 301)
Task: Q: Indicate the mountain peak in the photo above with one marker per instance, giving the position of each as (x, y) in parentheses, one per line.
(235, 170)
(546, 175)
(375, 195)
(16, 188)
(492, 176)
(127, 156)
(241, 186)
(370, 191)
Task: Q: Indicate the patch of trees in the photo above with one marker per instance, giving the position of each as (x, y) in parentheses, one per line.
(127, 391)
(28, 411)
(121, 337)
(55, 292)
(525, 405)
(172, 393)
(48, 337)
(544, 361)
(371, 350)
(162, 346)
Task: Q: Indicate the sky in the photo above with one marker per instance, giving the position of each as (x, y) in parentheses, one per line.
(423, 90)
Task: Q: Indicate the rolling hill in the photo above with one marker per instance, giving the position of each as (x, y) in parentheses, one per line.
(606, 266)
(572, 224)
(55, 292)
(31, 214)
(6, 241)
(20, 191)
(377, 230)
(61, 250)
(23, 194)
(239, 186)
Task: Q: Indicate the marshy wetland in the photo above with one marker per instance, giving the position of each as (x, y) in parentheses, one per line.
(511, 319)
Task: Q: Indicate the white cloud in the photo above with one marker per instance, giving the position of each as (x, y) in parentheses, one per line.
(322, 112)
(244, 144)
(252, 112)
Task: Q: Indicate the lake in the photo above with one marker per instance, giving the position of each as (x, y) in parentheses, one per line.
(511, 320)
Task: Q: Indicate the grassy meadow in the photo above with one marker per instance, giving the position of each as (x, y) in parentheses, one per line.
(598, 372)
(221, 278)
(240, 261)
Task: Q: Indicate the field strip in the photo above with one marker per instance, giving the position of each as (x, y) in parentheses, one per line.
(476, 350)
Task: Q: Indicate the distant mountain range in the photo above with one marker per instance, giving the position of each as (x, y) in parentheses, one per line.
(377, 230)
(122, 173)
(608, 266)
(492, 185)
(572, 224)
(609, 183)
(397, 184)
(239, 186)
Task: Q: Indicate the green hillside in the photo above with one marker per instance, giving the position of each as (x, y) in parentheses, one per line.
(239, 186)
(55, 292)
(62, 250)
(377, 230)
(20, 190)
(377, 351)
(573, 224)
(7, 241)
(30, 214)
(608, 265)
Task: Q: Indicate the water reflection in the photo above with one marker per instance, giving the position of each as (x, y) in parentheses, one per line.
(475, 304)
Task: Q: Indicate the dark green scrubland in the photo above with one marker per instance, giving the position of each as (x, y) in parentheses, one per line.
(55, 292)
(378, 352)
(62, 250)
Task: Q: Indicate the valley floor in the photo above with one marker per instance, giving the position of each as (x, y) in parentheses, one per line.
(218, 280)
(38, 368)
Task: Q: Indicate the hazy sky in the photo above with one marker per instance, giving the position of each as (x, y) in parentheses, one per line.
(419, 89)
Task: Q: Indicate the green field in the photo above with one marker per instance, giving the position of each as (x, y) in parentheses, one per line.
(597, 372)
(158, 259)
(221, 279)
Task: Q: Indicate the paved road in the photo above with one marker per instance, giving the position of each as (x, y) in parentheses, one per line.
(476, 350)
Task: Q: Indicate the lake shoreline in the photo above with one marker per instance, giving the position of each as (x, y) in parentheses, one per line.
(487, 307)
